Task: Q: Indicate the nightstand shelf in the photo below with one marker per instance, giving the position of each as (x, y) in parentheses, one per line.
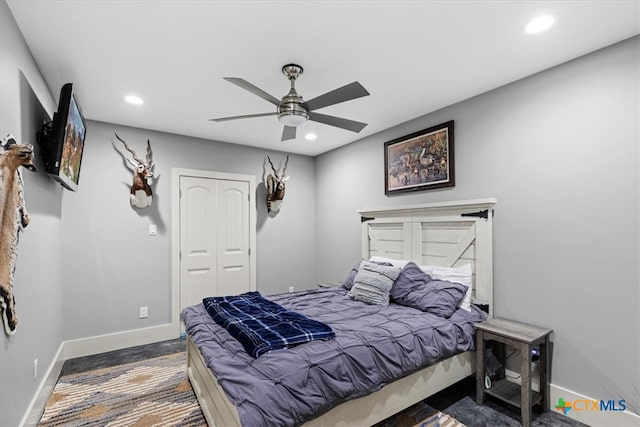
(509, 392)
(524, 338)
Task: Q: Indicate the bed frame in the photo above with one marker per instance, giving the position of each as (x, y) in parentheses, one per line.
(447, 234)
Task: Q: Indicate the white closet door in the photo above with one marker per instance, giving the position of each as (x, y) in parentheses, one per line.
(233, 237)
(214, 238)
(197, 239)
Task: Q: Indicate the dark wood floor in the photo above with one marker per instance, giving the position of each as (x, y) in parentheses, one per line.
(459, 402)
(120, 357)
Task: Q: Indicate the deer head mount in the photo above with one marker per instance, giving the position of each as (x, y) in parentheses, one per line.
(276, 186)
(141, 194)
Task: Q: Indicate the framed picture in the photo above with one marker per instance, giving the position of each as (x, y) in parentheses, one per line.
(420, 161)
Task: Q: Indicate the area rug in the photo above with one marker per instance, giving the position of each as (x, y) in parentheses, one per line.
(157, 392)
(153, 392)
(439, 420)
(420, 415)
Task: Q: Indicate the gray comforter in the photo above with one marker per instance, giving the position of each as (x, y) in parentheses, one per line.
(374, 345)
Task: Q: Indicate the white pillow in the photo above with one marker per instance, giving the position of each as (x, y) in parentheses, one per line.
(462, 274)
(400, 263)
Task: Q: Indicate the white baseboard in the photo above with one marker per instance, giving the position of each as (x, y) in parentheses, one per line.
(34, 411)
(119, 340)
(591, 418)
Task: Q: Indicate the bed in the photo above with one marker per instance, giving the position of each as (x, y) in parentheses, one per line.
(445, 234)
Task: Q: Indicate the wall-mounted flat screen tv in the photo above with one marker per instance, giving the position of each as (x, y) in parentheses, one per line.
(63, 142)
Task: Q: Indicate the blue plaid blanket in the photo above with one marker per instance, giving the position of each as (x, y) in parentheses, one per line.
(261, 325)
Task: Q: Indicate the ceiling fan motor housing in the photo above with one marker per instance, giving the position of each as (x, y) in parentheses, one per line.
(291, 110)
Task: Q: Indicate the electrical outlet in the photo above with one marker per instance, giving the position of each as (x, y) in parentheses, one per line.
(35, 368)
(144, 312)
(291, 289)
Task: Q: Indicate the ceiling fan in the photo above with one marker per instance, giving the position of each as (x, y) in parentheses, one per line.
(292, 110)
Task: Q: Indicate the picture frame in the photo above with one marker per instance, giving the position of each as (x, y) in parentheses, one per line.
(423, 160)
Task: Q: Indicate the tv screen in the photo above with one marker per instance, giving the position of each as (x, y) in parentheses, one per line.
(66, 140)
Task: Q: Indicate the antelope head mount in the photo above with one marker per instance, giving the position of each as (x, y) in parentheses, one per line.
(141, 194)
(276, 186)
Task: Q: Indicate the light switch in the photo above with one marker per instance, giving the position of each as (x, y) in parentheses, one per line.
(153, 229)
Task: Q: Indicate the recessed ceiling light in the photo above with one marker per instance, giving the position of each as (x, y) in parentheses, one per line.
(539, 24)
(133, 99)
(311, 136)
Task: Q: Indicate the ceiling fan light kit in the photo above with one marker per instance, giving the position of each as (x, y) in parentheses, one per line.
(292, 110)
(292, 117)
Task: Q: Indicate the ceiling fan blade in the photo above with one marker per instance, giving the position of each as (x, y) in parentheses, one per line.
(288, 132)
(248, 116)
(253, 89)
(347, 124)
(345, 93)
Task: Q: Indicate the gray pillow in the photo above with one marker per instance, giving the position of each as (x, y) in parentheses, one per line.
(373, 283)
(415, 288)
(348, 281)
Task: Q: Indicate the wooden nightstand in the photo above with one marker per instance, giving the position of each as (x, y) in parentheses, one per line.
(522, 337)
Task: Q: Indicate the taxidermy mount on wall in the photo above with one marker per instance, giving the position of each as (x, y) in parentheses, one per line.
(141, 194)
(276, 187)
(13, 218)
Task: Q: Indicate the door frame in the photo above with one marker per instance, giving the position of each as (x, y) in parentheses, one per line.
(176, 173)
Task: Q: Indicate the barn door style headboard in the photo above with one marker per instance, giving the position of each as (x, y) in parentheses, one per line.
(447, 234)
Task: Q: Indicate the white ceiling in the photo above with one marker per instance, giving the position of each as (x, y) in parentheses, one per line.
(413, 57)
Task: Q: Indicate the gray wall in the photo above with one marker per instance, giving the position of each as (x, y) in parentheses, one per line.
(38, 277)
(112, 266)
(559, 150)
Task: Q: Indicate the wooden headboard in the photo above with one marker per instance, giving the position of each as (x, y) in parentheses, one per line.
(447, 234)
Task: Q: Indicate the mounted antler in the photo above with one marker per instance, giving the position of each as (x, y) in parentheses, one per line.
(141, 194)
(276, 186)
(149, 156)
